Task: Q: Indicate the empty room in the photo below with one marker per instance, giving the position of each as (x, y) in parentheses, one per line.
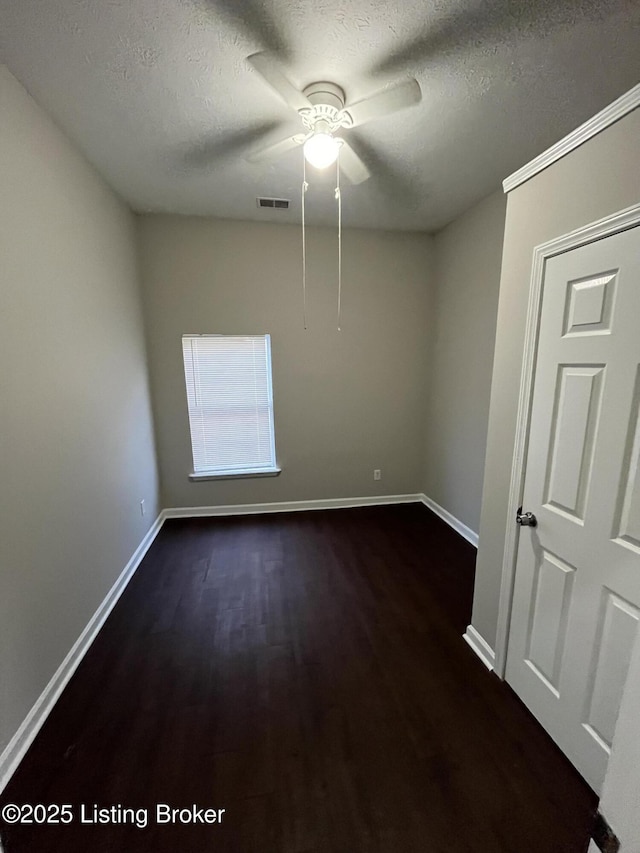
(319, 426)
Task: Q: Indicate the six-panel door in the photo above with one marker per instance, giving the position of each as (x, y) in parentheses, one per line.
(576, 602)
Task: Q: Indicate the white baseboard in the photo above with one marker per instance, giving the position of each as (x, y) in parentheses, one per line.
(480, 647)
(287, 506)
(471, 636)
(451, 520)
(21, 741)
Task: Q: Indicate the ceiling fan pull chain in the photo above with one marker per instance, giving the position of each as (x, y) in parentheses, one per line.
(339, 199)
(305, 187)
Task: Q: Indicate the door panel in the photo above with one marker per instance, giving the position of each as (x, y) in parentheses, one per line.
(615, 635)
(576, 600)
(578, 393)
(589, 304)
(552, 590)
(628, 515)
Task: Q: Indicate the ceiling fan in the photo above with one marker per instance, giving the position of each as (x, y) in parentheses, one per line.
(324, 112)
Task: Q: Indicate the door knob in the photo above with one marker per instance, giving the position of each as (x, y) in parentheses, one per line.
(526, 519)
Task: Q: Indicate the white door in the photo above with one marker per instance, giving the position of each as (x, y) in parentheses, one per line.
(577, 587)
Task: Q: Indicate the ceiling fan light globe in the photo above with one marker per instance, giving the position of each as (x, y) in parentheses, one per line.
(321, 150)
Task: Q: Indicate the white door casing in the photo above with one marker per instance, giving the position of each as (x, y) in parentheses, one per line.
(576, 597)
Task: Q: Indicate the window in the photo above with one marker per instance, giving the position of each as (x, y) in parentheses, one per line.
(230, 402)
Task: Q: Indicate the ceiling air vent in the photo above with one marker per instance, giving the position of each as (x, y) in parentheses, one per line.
(274, 203)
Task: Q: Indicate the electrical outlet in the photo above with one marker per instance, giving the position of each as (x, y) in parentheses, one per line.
(377, 474)
(142, 509)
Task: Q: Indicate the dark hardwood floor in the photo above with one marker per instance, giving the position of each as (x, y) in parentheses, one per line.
(305, 672)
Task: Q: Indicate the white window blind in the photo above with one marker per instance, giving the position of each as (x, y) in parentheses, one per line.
(230, 400)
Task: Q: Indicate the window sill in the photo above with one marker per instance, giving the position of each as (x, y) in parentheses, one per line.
(235, 475)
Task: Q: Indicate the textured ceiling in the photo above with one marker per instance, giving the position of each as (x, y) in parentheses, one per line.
(159, 96)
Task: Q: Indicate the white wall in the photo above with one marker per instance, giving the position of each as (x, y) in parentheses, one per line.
(345, 402)
(76, 441)
(467, 260)
(599, 178)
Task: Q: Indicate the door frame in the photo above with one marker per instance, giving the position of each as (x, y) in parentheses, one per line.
(613, 224)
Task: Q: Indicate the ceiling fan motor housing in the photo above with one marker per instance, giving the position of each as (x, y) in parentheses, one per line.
(325, 93)
(325, 116)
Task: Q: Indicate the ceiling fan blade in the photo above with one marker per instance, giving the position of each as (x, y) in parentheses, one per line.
(473, 26)
(210, 152)
(399, 185)
(269, 69)
(256, 21)
(352, 165)
(383, 103)
(275, 149)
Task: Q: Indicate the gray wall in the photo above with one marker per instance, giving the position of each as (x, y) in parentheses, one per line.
(597, 179)
(76, 443)
(345, 402)
(467, 260)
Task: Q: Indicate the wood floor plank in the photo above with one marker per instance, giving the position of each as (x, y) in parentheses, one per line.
(305, 672)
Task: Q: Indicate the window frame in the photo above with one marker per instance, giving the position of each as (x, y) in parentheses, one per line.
(241, 471)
